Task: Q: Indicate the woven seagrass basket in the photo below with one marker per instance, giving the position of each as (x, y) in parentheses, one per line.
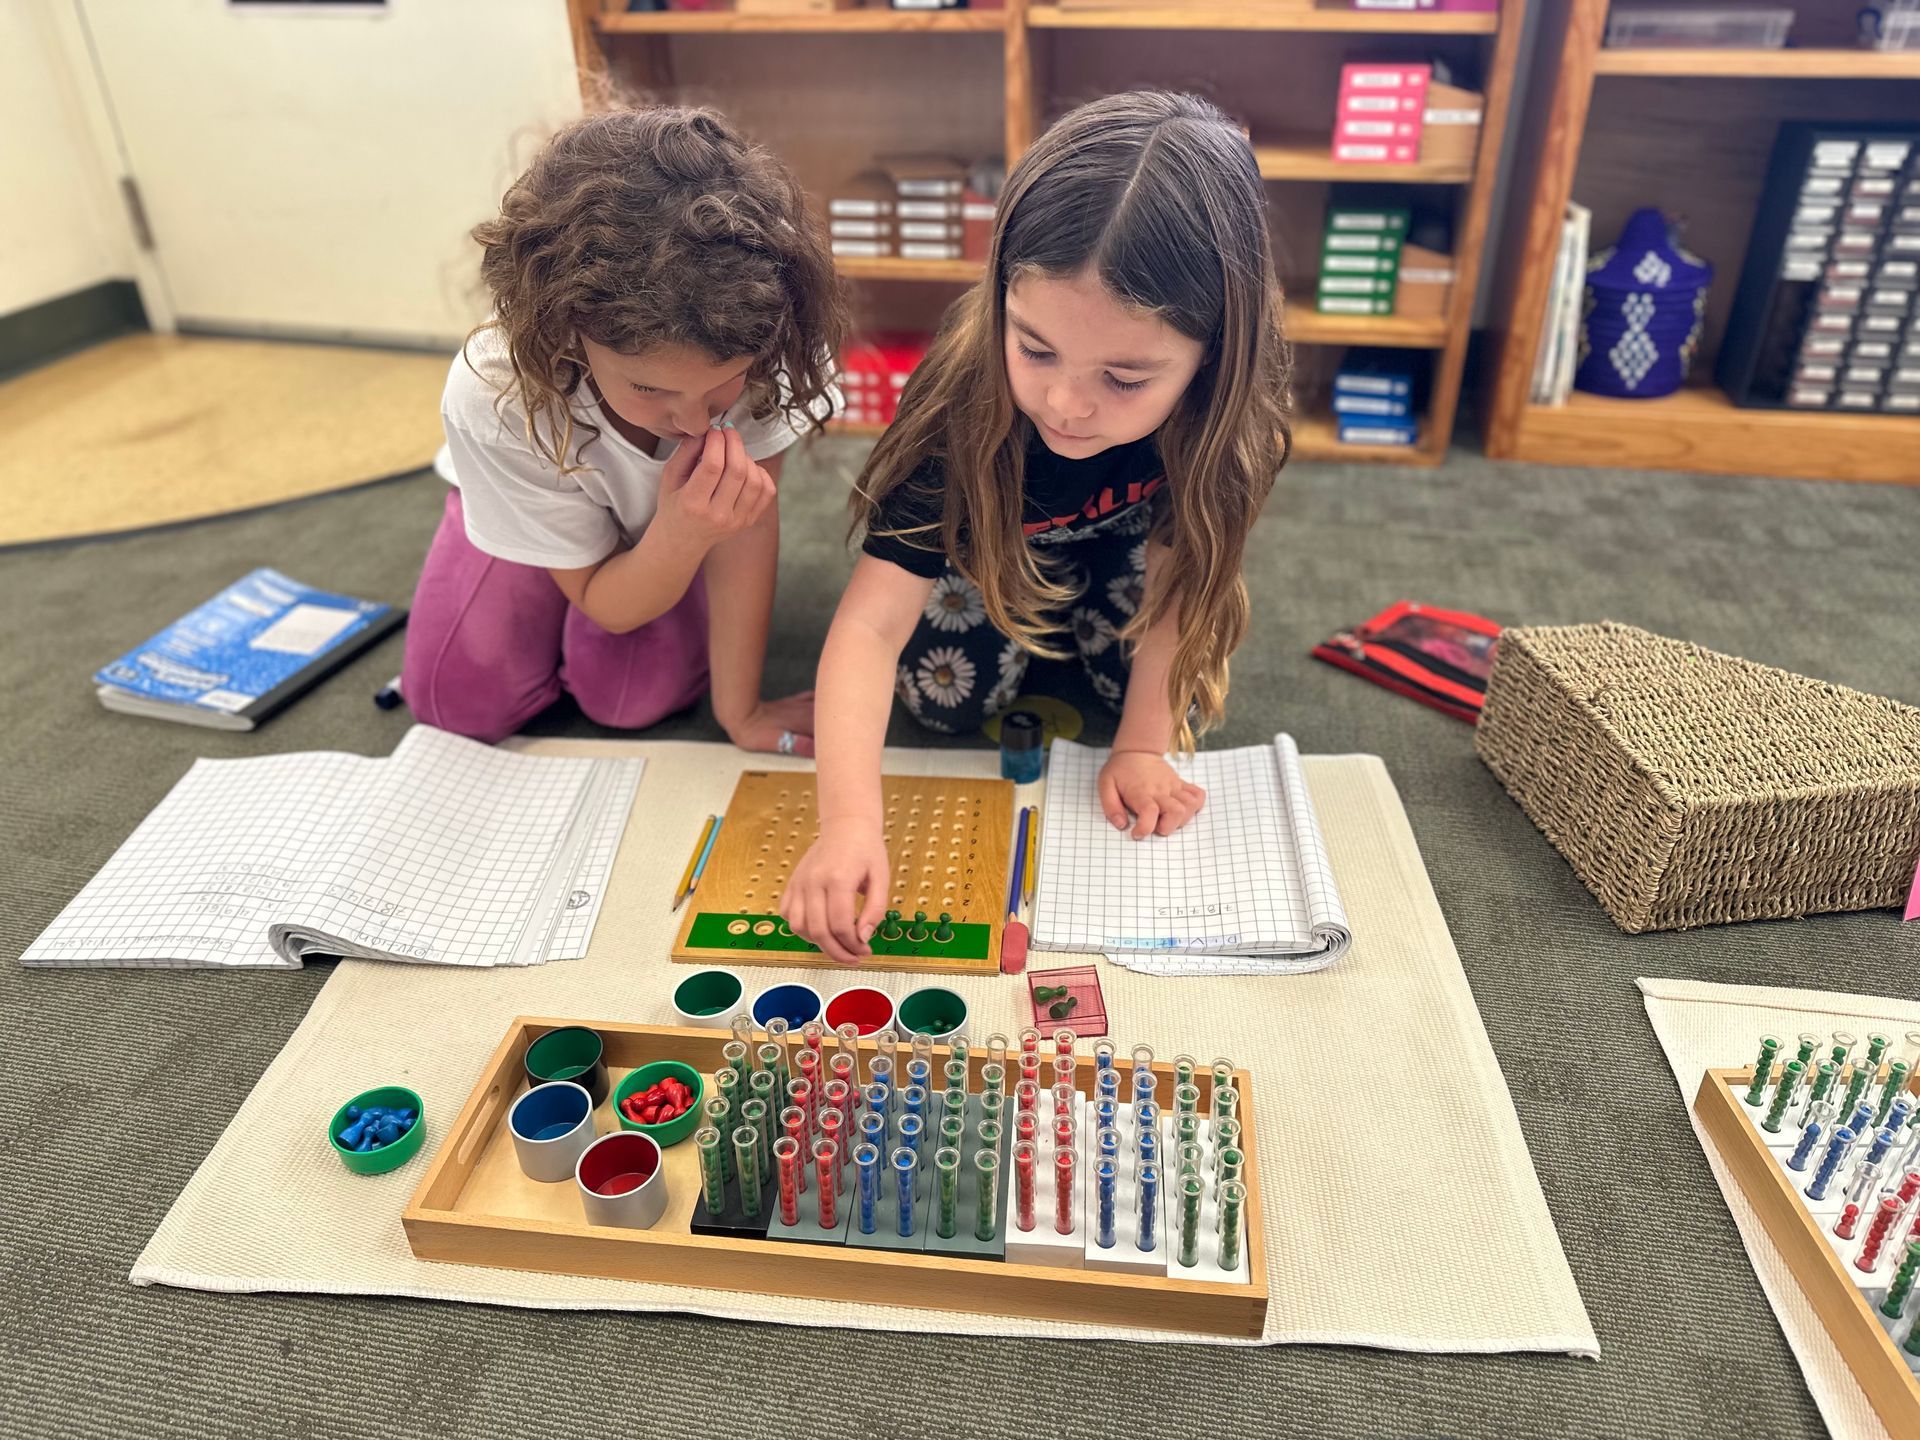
(1687, 788)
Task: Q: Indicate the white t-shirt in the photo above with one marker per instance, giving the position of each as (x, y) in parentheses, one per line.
(519, 507)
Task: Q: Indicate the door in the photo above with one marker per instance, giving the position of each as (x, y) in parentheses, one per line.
(313, 169)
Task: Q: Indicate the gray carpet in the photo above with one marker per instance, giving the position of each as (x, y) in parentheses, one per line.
(118, 1082)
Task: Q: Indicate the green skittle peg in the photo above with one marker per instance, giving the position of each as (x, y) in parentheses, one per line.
(918, 931)
(890, 928)
(944, 932)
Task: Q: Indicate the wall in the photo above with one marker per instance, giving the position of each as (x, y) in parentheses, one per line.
(60, 228)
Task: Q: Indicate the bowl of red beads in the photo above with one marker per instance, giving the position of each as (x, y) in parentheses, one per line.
(660, 1100)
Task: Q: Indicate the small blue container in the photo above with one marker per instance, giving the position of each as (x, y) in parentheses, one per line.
(796, 1004)
(1022, 746)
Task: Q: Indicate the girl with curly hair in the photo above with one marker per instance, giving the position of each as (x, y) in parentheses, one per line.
(665, 314)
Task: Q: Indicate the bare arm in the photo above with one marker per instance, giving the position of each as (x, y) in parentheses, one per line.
(740, 575)
(630, 588)
(853, 699)
(1137, 785)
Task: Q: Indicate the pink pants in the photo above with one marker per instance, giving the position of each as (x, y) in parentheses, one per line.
(491, 644)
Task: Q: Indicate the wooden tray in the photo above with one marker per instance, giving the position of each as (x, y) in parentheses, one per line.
(949, 840)
(475, 1207)
(1869, 1352)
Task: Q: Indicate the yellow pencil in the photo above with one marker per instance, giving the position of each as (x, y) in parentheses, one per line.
(699, 848)
(1033, 854)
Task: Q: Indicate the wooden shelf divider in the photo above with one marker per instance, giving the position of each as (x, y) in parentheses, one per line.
(1041, 50)
(1818, 64)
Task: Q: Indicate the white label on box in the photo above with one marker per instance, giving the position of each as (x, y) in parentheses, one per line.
(1370, 384)
(977, 210)
(926, 210)
(1357, 78)
(1897, 402)
(1371, 244)
(1889, 299)
(1792, 269)
(1870, 375)
(1880, 324)
(1368, 127)
(1906, 375)
(1832, 323)
(1868, 213)
(1873, 350)
(1885, 155)
(858, 207)
(1343, 305)
(1806, 239)
(1840, 297)
(1847, 270)
(1873, 187)
(1893, 271)
(1370, 105)
(1854, 400)
(1350, 285)
(1822, 345)
(1815, 398)
(1453, 117)
(1807, 374)
(923, 189)
(861, 249)
(857, 230)
(1814, 215)
(1359, 220)
(1355, 264)
(927, 230)
(1835, 152)
(1819, 185)
(1374, 435)
(1904, 243)
(1368, 405)
(929, 252)
(1361, 152)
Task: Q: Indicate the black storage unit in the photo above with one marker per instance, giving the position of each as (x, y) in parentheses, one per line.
(1824, 318)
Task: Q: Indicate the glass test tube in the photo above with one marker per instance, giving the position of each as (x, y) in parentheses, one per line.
(912, 1131)
(746, 1158)
(913, 1101)
(1103, 1053)
(1148, 1208)
(1186, 1129)
(1063, 1067)
(946, 1166)
(877, 1096)
(793, 1126)
(904, 1162)
(1106, 1143)
(846, 1041)
(1222, 1070)
(952, 1129)
(1063, 1163)
(1063, 1131)
(880, 1081)
(826, 1171)
(1807, 1042)
(986, 1216)
(1233, 1196)
(1227, 1165)
(922, 1046)
(1142, 1058)
(993, 1106)
(838, 1097)
(1187, 1160)
(833, 1131)
(959, 1048)
(953, 1102)
(1226, 1134)
(786, 1160)
(918, 1072)
(722, 1117)
(1106, 1085)
(1024, 1185)
(997, 1051)
(755, 1116)
(1142, 1087)
(1146, 1150)
(1062, 1100)
(1192, 1188)
(726, 1080)
(873, 1129)
(1226, 1103)
(1185, 1068)
(989, 1133)
(813, 1036)
(1026, 1125)
(955, 1072)
(1029, 1041)
(1026, 1097)
(1063, 1041)
(866, 1164)
(1106, 1184)
(764, 1085)
(737, 1053)
(800, 1097)
(1186, 1098)
(993, 1078)
(743, 1035)
(777, 1037)
(713, 1172)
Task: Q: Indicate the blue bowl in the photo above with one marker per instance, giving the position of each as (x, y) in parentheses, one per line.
(796, 1004)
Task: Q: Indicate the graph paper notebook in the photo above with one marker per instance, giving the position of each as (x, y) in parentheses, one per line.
(1243, 888)
(447, 852)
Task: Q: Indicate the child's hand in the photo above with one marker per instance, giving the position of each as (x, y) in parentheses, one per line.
(711, 491)
(761, 728)
(1144, 789)
(849, 859)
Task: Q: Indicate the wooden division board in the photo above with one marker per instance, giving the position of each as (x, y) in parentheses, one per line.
(949, 840)
(474, 1206)
(1828, 1282)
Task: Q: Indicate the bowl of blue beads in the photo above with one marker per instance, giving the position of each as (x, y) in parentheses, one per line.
(378, 1130)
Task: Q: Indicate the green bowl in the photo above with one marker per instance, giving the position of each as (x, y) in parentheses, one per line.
(934, 1011)
(645, 1078)
(387, 1157)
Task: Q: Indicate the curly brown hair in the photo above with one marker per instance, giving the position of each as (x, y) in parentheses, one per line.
(662, 225)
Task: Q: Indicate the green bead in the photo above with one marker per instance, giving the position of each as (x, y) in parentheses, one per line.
(1783, 1096)
(1762, 1070)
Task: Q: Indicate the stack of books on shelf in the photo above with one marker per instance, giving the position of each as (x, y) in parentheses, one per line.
(1373, 398)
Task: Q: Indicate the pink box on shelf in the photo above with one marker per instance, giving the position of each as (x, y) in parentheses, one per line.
(1379, 112)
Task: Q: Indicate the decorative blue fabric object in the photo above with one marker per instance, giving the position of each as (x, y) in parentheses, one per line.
(1645, 302)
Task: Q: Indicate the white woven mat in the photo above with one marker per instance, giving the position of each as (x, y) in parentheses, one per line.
(271, 1209)
(1702, 1027)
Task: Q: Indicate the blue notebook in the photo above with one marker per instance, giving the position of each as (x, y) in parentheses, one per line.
(249, 650)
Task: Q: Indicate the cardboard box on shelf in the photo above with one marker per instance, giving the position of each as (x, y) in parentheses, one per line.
(1450, 128)
(1426, 283)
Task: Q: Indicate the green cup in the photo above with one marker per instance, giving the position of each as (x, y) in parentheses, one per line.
(574, 1053)
(707, 998)
(387, 1157)
(673, 1131)
(933, 1010)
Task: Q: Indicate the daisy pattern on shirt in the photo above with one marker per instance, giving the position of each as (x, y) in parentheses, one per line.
(946, 675)
(955, 604)
(907, 690)
(1125, 593)
(1092, 631)
(1106, 687)
(1007, 688)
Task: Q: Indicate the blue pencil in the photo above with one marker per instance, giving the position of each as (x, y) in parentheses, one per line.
(700, 865)
(1019, 865)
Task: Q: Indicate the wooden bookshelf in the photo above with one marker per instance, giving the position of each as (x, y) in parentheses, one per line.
(1251, 17)
(985, 82)
(1311, 158)
(1690, 131)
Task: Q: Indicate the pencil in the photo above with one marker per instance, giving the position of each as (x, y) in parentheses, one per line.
(1019, 861)
(706, 852)
(685, 888)
(1033, 852)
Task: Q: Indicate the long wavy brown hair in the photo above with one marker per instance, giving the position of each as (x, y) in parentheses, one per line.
(1160, 196)
(655, 226)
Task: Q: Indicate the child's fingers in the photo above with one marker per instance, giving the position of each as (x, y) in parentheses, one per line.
(793, 909)
(874, 910)
(843, 921)
(1146, 819)
(695, 464)
(1110, 803)
(736, 476)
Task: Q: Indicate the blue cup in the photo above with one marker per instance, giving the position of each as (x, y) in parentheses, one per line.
(552, 1125)
(796, 1004)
